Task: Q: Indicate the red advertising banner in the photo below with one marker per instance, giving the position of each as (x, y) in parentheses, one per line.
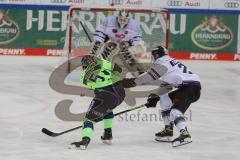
(205, 56)
(31, 52)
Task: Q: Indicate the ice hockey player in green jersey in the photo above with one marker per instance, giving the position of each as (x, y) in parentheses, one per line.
(104, 78)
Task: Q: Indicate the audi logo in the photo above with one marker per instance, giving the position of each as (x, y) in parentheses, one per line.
(231, 4)
(116, 2)
(58, 1)
(174, 3)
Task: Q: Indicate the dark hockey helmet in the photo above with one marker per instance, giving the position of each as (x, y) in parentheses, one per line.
(158, 52)
(86, 60)
(123, 18)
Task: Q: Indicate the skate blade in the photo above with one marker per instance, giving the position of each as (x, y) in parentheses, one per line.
(77, 148)
(163, 139)
(108, 142)
(186, 141)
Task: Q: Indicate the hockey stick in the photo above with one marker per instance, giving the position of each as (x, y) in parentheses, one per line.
(89, 38)
(53, 134)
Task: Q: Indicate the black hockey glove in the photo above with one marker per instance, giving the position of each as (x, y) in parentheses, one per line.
(152, 100)
(117, 68)
(129, 82)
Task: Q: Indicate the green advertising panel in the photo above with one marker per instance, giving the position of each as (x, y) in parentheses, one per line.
(22, 28)
(204, 33)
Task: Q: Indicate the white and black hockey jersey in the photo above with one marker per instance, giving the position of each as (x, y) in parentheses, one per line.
(110, 29)
(169, 70)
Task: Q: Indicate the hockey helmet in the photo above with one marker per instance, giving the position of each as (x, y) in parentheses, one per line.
(158, 52)
(123, 18)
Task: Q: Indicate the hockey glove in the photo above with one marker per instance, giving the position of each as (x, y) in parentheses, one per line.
(117, 68)
(152, 100)
(129, 82)
(124, 45)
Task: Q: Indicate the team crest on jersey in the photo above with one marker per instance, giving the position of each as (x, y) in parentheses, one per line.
(9, 29)
(212, 34)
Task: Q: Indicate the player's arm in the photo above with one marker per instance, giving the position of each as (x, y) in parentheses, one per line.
(137, 43)
(152, 74)
(99, 37)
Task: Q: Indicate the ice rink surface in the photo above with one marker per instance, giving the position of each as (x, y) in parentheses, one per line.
(28, 103)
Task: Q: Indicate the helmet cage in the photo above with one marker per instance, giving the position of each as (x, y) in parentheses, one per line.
(123, 18)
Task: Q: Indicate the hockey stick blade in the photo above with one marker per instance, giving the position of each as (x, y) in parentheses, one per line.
(52, 134)
(49, 133)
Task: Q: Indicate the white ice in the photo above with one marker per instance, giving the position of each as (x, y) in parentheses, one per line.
(27, 104)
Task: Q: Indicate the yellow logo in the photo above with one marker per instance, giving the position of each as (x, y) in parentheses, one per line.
(9, 30)
(212, 34)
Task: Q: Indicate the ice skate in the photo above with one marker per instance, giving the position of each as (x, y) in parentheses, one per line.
(82, 145)
(107, 138)
(165, 135)
(183, 139)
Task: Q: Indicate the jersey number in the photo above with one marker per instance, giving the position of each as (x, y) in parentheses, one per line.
(95, 77)
(180, 65)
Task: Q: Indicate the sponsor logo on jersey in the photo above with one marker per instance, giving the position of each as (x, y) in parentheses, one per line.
(120, 36)
(231, 4)
(9, 29)
(212, 34)
(203, 56)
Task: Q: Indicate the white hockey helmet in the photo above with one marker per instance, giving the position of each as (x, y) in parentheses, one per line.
(123, 18)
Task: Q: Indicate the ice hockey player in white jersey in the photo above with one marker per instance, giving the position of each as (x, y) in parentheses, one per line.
(123, 30)
(175, 103)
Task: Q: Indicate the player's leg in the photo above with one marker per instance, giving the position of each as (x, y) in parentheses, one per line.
(119, 94)
(106, 99)
(96, 112)
(92, 116)
(107, 124)
(166, 134)
(182, 99)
